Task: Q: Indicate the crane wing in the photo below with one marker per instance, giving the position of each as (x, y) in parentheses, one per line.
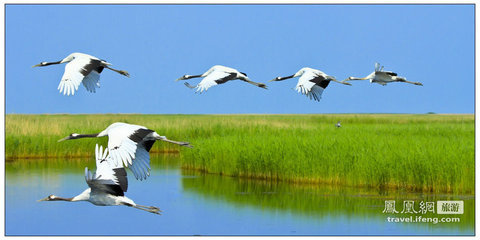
(312, 85)
(141, 165)
(128, 147)
(92, 80)
(391, 73)
(76, 71)
(214, 78)
(109, 179)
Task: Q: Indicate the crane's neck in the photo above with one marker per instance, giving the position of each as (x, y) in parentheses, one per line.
(88, 135)
(63, 199)
(194, 76)
(285, 78)
(370, 76)
(51, 63)
(81, 197)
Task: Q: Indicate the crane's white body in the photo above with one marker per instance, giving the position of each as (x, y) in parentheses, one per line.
(106, 186)
(214, 74)
(83, 69)
(72, 77)
(218, 75)
(312, 82)
(383, 77)
(102, 198)
(126, 152)
(306, 86)
(129, 145)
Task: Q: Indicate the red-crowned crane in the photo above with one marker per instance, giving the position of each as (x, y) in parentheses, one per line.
(129, 146)
(311, 83)
(218, 75)
(81, 68)
(383, 77)
(106, 186)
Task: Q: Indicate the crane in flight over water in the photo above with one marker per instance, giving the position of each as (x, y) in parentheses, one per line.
(218, 75)
(81, 68)
(311, 83)
(129, 146)
(106, 186)
(383, 77)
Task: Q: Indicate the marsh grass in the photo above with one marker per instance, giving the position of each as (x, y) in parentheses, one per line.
(431, 153)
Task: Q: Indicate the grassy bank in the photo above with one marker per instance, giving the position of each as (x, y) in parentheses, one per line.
(417, 152)
(432, 153)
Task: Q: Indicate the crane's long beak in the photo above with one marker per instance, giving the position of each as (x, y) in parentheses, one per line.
(275, 79)
(63, 139)
(180, 78)
(38, 65)
(43, 199)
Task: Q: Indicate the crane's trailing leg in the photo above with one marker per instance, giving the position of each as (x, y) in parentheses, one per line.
(354, 78)
(255, 83)
(402, 79)
(151, 209)
(416, 83)
(125, 73)
(342, 82)
(185, 144)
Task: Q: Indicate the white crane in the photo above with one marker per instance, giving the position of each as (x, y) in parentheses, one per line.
(383, 77)
(218, 75)
(81, 68)
(338, 124)
(311, 83)
(129, 146)
(106, 186)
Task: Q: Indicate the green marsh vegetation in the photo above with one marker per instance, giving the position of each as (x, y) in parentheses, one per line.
(430, 153)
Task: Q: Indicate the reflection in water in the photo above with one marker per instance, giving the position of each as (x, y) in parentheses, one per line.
(321, 201)
(194, 203)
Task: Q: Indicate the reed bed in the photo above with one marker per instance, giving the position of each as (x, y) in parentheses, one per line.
(431, 153)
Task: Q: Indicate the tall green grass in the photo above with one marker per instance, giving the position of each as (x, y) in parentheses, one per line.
(414, 152)
(433, 153)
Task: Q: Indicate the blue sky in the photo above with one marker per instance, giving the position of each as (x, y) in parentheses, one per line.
(156, 44)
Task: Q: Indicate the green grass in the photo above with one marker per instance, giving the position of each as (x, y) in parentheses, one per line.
(417, 152)
(431, 153)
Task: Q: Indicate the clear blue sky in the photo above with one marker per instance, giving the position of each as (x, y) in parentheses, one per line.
(433, 44)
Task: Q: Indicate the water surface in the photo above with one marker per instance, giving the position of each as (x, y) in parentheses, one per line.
(199, 204)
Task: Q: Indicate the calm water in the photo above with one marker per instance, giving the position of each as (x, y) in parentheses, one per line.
(196, 204)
